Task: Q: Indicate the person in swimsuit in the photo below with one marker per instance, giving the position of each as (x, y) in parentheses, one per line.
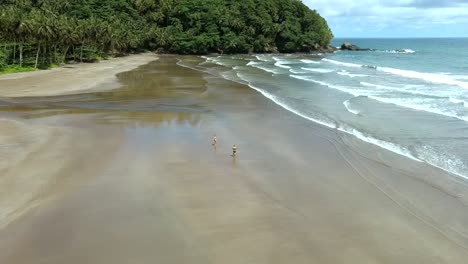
(234, 150)
(215, 140)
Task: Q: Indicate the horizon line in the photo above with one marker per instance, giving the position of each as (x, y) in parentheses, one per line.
(402, 37)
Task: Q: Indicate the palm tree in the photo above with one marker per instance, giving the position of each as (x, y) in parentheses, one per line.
(42, 30)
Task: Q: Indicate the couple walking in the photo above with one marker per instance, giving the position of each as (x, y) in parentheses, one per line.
(215, 143)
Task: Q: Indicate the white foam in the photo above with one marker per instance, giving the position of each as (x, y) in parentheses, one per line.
(381, 143)
(263, 58)
(352, 75)
(407, 51)
(344, 89)
(251, 63)
(260, 66)
(459, 101)
(460, 77)
(354, 132)
(281, 65)
(347, 104)
(402, 90)
(276, 100)
(415, 104)
(429, 77)
(420, 105)
(400, 150)
(442, 160)
(311, 61)
(297, 72)
(318, 70)
(347, 64)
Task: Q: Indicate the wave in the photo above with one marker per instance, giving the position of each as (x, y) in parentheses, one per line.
(273, 71)
(277, 101)
(407, 51)
(459, 101)
(429, 158)
(420, 105)
(263, 58)
(460, 77)
(347, 64)
(251, 63)
(297, 72)
(281, 65)
(318, 70)
(428, 77)
(347, 104)
(344, 89)
(310, 61)
(352, 75)
(381, 143)
(402, 90)
(414, 104)
(442, 160)
(261, 66)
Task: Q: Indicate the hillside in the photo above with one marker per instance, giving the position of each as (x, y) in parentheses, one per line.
(44, 32)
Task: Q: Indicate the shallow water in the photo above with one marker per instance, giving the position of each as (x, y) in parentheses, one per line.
(407, 96)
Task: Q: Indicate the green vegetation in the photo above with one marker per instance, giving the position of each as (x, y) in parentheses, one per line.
(38, 33)
(16, 69)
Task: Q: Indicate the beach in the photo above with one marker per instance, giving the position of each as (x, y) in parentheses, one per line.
(99, 168)
(70, 78)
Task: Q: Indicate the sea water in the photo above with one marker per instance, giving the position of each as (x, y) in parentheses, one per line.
(409, 96)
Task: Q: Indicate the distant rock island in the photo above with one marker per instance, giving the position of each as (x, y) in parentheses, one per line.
(349, 46)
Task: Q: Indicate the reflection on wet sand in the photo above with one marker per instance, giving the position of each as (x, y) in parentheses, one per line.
(146, 95)
(142, 119)
(130, 176)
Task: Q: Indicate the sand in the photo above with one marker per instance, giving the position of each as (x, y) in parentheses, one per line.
(140, 186)
(71, 78)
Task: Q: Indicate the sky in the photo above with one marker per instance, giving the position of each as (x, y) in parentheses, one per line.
(394, 18)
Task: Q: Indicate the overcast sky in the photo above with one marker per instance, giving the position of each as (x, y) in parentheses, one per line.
(394, 18)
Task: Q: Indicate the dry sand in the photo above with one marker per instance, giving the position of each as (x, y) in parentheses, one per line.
(71, 78)
(148, 187)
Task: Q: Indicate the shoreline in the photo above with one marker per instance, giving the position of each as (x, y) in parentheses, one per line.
(388, 146)
(297, 191)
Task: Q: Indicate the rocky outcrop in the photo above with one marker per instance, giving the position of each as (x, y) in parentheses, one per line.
(349, 46)
(319, 49)
(329, 48)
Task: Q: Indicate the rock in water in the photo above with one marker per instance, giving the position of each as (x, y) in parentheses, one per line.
(349, 46)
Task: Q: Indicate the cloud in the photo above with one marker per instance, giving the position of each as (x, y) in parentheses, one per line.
(394, 17)
(426, 3)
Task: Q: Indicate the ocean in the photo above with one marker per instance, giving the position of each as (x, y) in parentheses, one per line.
(409, 96)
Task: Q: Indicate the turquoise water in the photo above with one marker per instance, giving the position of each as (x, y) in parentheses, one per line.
(409, 96)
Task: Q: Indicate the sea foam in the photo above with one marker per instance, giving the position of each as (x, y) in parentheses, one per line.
(348, 107)
(310, 61)
(428, 77)
(319, 70)
(352, 75)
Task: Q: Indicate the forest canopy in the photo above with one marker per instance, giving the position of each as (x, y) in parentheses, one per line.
(44, 32)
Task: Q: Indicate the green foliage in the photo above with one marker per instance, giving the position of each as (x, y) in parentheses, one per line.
(3, 60)
(16, 69)
(38, 33)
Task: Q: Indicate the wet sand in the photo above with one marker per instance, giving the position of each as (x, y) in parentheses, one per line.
(136, 180)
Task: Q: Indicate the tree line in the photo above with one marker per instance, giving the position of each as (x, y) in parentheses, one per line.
(40, 33)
